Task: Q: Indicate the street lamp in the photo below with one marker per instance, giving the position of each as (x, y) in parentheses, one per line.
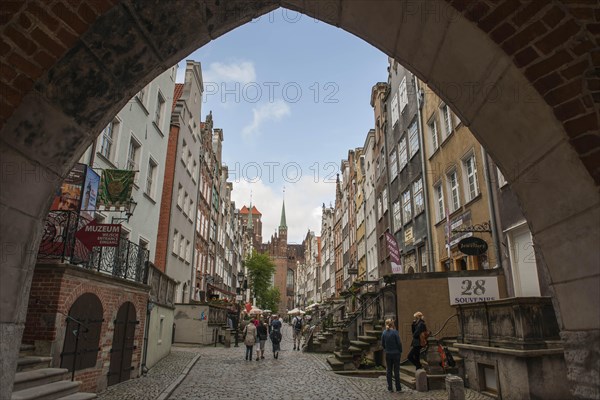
(240, 279)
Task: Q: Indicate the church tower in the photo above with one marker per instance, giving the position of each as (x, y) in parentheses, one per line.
(282, 233)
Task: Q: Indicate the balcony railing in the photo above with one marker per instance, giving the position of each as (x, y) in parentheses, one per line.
(59, 244)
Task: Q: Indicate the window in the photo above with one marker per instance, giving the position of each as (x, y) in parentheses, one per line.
(397, 216)
(189, 162)
(181, 252)
(406, 207)
(403, 94)
(141, 95)
(418, 196)
(402, 153)
(395, 116)
(434, 135)
(470, 168)
(184, 153)
(160, 107)
(446, 119)
(133, 155)
(393, 166)
(385, 199)
(109, 135)
(191, 208)
(454, 191)
(151, 177)
(175, 241)
(195, 171)
(188, 251)
(198, 223)
(439, 201)
(185, 203)
(180, 196)
(379, 212)
(413, 135)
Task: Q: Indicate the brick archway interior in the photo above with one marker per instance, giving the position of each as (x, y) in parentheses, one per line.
(522, 75)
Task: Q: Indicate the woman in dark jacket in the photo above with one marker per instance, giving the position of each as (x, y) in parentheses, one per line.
(390, 341)
(418, 327)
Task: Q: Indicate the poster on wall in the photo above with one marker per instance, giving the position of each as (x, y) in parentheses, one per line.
(473, 289)
(69, 194)
(90, 193)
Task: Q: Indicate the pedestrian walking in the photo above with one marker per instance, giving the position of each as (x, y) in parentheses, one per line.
(297, 326)
(261, 332)
(249, 339)
(276, 336)
(419, 339)
(390, 341)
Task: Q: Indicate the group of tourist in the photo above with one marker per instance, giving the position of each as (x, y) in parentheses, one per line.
(258, 331)
(390, 341)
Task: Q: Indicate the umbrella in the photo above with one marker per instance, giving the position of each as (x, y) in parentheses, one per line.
(295, 311)
(255, 310)
(267, 311)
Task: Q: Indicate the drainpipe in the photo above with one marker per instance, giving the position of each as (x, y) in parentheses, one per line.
(196, 211)
(492, 207)
(431, 267)
(149, 307)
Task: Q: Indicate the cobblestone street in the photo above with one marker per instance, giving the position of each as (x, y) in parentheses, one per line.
(222, 373)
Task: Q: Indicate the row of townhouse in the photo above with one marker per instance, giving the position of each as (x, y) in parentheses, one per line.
(184, 215)
(422, 177)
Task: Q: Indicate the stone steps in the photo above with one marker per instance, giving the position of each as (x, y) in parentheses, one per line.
(368, 339)
(49, 391)
(79, 396)
(37, 377)
(335, 364)
(29, 363)
(360, 344)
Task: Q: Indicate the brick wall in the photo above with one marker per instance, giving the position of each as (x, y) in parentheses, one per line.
(56, 288)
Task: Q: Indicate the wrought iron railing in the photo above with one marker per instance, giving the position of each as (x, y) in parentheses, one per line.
(59, 243)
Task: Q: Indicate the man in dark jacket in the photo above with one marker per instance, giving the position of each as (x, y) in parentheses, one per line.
(390, 341)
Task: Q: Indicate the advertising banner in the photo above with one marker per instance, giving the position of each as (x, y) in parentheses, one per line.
(473, 289)
(90, 193)
(68, 196)
(115, 187)
(392, 246)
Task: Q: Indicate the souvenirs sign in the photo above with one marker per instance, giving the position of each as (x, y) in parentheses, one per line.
(473, 289)
(392, 246)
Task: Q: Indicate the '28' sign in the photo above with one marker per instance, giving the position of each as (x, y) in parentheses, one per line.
(465, 290)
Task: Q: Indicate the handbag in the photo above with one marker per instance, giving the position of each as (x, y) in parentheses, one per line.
(423, 338)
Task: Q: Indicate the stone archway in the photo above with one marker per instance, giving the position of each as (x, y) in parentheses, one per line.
(521, 73)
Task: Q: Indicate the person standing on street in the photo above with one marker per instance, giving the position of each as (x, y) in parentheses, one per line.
(390, 341)
(276, 336)
(297, 325)
(249, 338)
(419, 334)
(261, 332)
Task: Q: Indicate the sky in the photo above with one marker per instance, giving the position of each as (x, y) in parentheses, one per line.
(292, 95)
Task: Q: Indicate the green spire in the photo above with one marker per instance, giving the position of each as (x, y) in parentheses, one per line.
(282, 224)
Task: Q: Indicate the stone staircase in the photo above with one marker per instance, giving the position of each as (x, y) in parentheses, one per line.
(349, 353)
(35, 380)
(436, 375)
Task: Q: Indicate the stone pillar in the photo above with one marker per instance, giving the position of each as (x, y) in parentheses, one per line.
(421, 380)
(455, 387)
(433, 358)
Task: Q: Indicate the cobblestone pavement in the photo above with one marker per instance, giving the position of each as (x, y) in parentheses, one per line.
(151, 385)
(222, 373)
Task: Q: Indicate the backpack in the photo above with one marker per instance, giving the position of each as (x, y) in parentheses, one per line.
(298, 324)
(275, 336)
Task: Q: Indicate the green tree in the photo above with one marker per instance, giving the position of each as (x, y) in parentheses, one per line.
(271, 300)
(260, 270)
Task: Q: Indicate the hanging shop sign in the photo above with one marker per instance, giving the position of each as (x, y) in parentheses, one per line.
(473, 246)
(392, 246)
(473, 289)
(103, 235)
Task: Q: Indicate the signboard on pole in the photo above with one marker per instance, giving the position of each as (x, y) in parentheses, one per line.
(68, 196)
(392, 246)
(95, 234)
(115, 187)
(473, 289)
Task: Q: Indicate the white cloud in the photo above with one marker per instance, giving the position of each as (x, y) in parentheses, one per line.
(266, 112)
(242, 72)
(303, 204)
